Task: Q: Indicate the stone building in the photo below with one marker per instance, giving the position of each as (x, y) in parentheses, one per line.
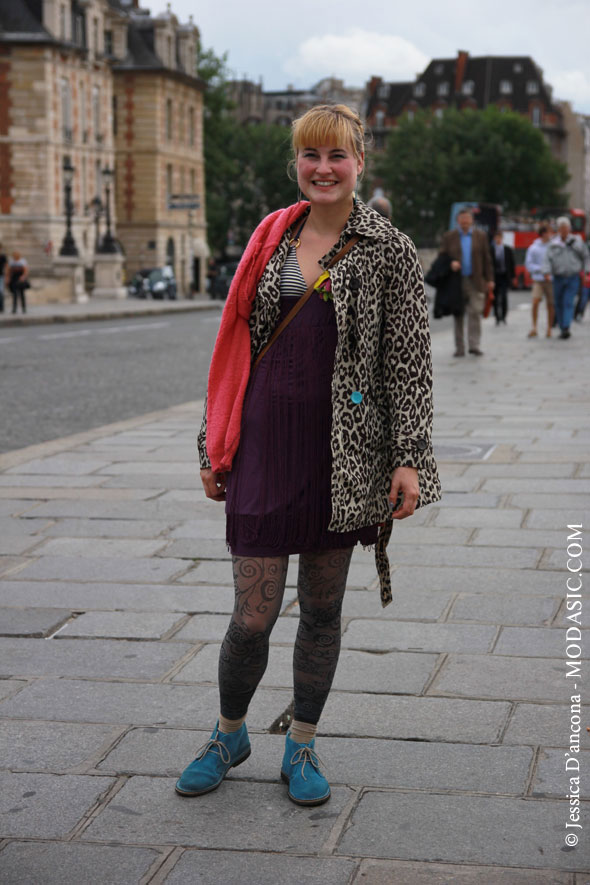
(255, 105)
(99, 85)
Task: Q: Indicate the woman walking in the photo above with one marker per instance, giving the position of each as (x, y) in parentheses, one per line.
(316, 442)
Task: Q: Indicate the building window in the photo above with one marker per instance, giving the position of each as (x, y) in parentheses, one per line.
(439, 113)
(97, 179)
(536, 116)
(193, 187)
(442, 88)
(411, 114)
(532, 87)
(108, 43)
(83, 120)
(169, 185)
(95, 33)
(79, 35)
(380, 118)
(438, 69)
(468, 87)
(420, 90)
(517, 67)
(170, 56)
(169, 119)
(181, 123)
(62, 22)
(114, 114)
(96, 112)
(182, 180)
(505, 87)
(191, 127)
(66, 110)
(383, 91)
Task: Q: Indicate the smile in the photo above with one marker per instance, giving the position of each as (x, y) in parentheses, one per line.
(324, 183)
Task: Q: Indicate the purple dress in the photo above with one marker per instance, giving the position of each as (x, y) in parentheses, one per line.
(278, 490)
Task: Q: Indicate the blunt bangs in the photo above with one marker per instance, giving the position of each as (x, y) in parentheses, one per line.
(328, 125)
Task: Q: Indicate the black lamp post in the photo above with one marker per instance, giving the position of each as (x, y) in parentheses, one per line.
(109, 244)
(68, 247)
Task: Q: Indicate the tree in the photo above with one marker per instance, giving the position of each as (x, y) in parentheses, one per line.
(245, 166)
(488, 156)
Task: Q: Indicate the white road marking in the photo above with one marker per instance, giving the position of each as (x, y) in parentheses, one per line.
(111, 331)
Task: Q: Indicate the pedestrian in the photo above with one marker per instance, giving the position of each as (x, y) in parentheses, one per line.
(542, 288)
(583, 299)
(17, 274)
(317, 437)
(3, 263)
(470, 253)
(503, 264)
(566, 258)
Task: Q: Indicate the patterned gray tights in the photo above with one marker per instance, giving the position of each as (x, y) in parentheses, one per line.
(259, 587)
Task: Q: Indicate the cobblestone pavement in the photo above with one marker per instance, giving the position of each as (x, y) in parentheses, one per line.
(445, 733)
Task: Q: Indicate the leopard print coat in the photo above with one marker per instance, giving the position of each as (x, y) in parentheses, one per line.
(383, 354)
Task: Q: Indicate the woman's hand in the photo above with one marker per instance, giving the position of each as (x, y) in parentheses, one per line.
(214, 484)
(404, 481)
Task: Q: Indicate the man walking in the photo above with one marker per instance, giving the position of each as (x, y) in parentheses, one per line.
(469, 252)
(565, 258)
(542, 288)
(503, 264)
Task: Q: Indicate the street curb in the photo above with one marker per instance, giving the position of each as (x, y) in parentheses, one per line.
(63, 444)
(32, 320)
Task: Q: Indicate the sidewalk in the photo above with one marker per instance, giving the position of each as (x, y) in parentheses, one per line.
(103, 309)
(445, 733)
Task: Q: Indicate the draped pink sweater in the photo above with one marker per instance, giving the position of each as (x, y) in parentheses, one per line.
(230, 364)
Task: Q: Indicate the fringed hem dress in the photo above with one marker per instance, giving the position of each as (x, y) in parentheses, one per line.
(278, 497)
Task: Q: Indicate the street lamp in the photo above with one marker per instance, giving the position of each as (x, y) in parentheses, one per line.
(68, 247)
(109, 244)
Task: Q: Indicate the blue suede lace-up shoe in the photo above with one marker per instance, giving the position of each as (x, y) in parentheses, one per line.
(301, 770)
(213, 761)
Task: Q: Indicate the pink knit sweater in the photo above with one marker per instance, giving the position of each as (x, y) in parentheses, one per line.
(230, 364)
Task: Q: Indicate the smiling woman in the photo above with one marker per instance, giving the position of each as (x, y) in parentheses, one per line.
(316, 432)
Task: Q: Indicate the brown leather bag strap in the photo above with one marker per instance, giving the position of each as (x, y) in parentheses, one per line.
(301, 301)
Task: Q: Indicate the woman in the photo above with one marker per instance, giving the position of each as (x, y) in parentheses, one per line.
(17, 272)
(330, 442)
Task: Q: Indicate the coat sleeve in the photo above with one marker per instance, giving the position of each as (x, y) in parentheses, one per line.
(407, 360)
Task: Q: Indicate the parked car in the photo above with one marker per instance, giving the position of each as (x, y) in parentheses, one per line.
(153, 282)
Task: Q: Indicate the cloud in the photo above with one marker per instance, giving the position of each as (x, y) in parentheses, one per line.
(355, 56)
(572, 86)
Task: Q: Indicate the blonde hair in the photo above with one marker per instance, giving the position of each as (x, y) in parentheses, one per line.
(330, 124)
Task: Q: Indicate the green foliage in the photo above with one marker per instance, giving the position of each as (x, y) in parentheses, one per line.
(488, 156)
(245, 166)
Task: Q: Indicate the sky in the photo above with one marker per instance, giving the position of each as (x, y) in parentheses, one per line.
(301, 42)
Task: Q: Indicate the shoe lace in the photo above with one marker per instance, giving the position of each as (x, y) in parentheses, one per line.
(210, 746)
(306, 754)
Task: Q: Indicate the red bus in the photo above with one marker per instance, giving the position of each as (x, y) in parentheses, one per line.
(520, 229)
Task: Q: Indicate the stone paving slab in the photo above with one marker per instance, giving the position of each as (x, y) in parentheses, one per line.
(410, 636)
(31, 621)
(463, 829)
(357, 671)
(133, 703)
(71, 464)
(410, 718)
(138, 597)
(552, 519)
(102, 528)
(551, 778)
(470, 556)
(121, 625)
(54, 746)
(474, 516)
(352, 761)
(28, 802)
(96, 547)
(542, 724)
(70, 863)
(10, 686)
(208, 628)
(535, 642)
(204, 529)
(13, 483)
(523, 538)
(502, 677)
(476, 499)
(89, 658)
(504, 609)
(73, 568)
(396, 872)
(15, 526)
(268, 820)
(474, 580)
(548, 470)
(14, 544)
(407, 605)
(192, 548)
(252, 868)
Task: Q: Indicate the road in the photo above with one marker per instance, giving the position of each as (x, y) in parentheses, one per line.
(57, 380)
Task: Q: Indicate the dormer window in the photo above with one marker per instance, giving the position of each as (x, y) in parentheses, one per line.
(517, 67)
(532, 87)
(536, 116)
(468, 87)
(438, 69)
(420, 90)
(505, 87)
(442, 88)
(383, 91)
(380, 118)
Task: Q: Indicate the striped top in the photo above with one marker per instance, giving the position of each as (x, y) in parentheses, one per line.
(292, 282)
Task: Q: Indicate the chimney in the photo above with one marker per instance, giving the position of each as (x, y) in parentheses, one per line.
(460, 66)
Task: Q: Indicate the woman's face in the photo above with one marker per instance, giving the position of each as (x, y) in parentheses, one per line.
(327, 175)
